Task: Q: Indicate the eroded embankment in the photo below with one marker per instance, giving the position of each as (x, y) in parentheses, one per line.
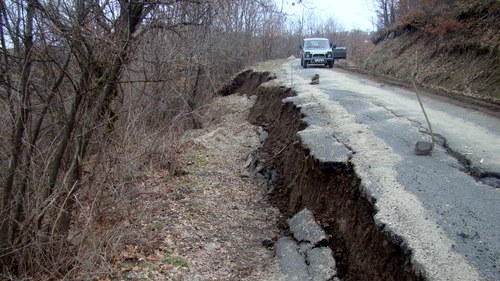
(332, 192)
(462, 62)
(245, 82)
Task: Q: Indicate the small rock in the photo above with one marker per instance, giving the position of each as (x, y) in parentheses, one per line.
(251, 160)
(322, 266)
(315, 79)
(305, 228)
(268, 243)
(423, 148)
(259, 168)
(212, 246)
(245, 174)
(262, 134)
(178, 173)
(132, 275)
(292, 264)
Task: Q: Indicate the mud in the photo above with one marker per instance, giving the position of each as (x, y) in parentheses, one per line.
(332, 192)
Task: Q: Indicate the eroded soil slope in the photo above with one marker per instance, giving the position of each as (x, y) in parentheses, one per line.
(459, 56)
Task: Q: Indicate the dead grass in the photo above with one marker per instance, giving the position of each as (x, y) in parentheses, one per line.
(204, 220)
(457, 50)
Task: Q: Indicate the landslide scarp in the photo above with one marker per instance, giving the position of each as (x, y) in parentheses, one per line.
(362, 250)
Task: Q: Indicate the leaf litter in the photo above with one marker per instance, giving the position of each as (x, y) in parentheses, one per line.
(207, 223)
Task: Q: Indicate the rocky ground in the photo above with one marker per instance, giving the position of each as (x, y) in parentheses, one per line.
(209, 222)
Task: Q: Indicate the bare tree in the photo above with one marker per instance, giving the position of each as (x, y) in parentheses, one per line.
(69, 73)
(386, 12)
(54, 116)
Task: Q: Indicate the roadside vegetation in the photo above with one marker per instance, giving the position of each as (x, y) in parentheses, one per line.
(95, 95)
(453, 46)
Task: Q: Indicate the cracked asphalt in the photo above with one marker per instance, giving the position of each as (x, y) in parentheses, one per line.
(446, 213)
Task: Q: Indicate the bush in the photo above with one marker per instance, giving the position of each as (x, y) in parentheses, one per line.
(441, 26)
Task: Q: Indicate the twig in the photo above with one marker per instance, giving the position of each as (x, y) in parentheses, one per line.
(283, 149)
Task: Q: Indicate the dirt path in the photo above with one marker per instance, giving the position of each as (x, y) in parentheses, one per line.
(208, 223)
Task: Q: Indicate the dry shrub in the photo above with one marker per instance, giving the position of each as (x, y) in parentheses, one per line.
(152, 115)
(111, 206)
(436, 17)
(414, 18)
(441, 26)
(133, 80)
(150, 119)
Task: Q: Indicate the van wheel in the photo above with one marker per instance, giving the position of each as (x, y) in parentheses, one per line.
(304, 64)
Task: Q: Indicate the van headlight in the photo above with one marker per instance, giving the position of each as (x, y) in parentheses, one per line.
(329, 55)
(308, 55)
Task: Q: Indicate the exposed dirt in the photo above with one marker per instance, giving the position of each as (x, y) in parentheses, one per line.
(462, 60)
(362, 251)
(245, 82)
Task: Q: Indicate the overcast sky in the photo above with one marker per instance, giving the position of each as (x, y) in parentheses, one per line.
(352, 14)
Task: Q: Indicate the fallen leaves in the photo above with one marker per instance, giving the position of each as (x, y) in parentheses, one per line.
(129, 253)
(206, 223)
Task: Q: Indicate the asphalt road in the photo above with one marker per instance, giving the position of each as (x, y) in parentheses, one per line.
(446, 209)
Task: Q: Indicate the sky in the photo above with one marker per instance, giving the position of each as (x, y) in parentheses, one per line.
(351, 14)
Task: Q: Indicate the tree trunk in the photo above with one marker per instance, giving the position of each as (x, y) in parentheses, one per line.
(7, 204)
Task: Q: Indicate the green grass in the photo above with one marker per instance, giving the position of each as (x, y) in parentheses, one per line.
(175, 261)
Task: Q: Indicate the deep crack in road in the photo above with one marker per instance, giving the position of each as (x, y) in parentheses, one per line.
(454, 189)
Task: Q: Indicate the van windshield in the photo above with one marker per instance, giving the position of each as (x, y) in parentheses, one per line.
(316, 44)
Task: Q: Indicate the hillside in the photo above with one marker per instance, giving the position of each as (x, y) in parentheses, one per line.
(457, 53)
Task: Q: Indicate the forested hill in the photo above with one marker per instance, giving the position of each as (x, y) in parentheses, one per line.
(452, 45)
